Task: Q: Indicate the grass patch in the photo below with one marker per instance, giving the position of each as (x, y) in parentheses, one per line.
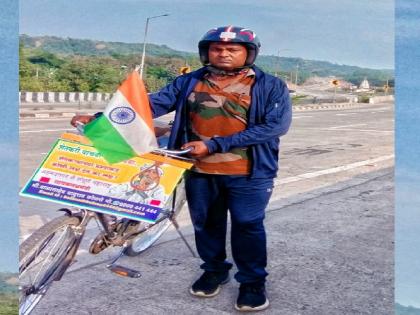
(9, 304)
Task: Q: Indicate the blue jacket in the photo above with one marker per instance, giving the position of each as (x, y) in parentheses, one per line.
(269, 117)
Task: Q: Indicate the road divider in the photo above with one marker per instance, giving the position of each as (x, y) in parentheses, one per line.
(328, 106)
(52, 110)
(30, 98)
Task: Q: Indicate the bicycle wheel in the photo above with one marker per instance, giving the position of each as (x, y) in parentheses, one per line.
(40, 255)
(146, 239)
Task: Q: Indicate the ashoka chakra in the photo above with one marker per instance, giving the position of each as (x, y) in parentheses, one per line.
(122, 115)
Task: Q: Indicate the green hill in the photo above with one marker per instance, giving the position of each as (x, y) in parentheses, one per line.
(87, 47)
(307, 68)
(47, 58)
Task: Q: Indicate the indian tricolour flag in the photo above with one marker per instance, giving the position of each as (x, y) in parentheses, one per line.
(126, 128)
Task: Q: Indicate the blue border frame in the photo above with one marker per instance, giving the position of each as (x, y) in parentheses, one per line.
(9, 136)
(407, 145)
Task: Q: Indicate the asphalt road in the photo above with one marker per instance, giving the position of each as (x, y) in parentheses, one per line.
(336, 169)
(320, 149)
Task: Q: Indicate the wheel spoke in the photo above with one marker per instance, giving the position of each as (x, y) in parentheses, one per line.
(152, 233)
(51, 252)
(40, 256)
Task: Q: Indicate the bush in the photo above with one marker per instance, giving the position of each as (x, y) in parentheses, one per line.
(364, 98)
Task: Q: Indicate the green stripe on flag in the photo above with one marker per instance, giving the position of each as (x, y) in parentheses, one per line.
(108, 141)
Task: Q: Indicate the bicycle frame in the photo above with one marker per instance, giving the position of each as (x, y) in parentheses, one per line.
(85, 217)
(123, 232)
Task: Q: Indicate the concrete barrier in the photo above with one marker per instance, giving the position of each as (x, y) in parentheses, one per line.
(63, 97)
(381, 99)
(326, 106)
(89, 97)
(40, 97)
(79, 97)
(324, 100)
(25, 97)
(50, 97)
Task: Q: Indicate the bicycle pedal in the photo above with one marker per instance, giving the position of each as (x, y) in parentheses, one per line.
(124, 271)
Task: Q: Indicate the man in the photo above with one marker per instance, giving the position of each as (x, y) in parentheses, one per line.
(232, 115)
(144, 188)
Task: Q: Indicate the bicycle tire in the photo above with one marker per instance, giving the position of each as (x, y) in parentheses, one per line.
(35, 283)
(147, 238)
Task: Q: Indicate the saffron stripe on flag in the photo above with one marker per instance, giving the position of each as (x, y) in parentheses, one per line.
(135, 93)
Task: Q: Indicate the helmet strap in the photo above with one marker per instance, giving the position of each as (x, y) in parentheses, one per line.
(221, 72)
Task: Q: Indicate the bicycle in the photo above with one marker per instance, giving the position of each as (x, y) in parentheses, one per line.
(45, 255)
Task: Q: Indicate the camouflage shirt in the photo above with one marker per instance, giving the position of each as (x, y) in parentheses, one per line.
(218, 106)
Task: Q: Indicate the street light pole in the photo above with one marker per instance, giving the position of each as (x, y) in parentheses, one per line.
(144, 41)
(278, 62)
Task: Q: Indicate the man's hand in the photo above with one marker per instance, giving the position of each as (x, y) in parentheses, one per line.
(84, 119)
(199, 148)
(162, 131)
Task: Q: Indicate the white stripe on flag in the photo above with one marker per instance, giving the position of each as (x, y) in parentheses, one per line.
(137, 133)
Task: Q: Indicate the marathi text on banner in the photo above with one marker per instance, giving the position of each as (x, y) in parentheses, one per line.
(75, 174)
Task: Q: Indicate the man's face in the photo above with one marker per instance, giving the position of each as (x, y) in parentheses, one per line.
(153, 174)
(227, 56)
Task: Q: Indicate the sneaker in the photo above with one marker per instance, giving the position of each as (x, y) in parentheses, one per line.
(209, 283)
(251, 297)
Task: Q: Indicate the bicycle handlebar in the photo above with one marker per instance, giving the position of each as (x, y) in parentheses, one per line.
(174, 152)
(80, 128)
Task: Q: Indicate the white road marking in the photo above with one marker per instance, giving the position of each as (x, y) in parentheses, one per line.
(362, 130)
(345, 126)
(24, 237)
(46, 130)
(28, 221)
(297, 117)
(331, 170)
(43, 119)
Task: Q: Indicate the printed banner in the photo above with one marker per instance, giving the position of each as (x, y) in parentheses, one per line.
(75, 174)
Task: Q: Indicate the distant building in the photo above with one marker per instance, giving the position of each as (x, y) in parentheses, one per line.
(364, 85)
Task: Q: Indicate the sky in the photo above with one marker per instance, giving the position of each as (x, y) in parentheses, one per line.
(407, 173)
(9, 150)
(352, 32)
